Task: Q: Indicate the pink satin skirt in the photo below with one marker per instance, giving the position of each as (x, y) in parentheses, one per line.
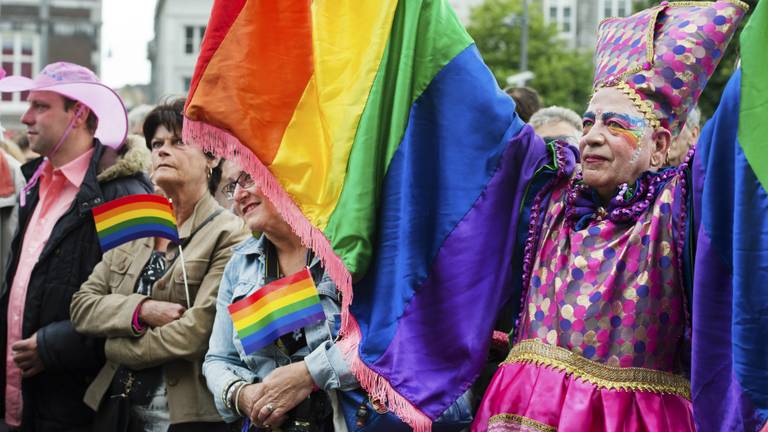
(530, 397)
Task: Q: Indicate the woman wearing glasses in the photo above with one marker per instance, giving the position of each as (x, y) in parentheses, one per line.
(290, 383)
(156, 337)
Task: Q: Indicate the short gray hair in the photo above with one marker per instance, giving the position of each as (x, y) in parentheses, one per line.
(555, 113)
(694, 118)
(136, 118)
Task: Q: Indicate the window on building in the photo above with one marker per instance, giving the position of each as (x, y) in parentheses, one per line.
(622, 8)
(189, 39)
(8, 68)
(26, 46)
(8, 45)
(18, 56)
(567, 19)
(608, 10)
(193, 37)
(553, 14)
(187, 84)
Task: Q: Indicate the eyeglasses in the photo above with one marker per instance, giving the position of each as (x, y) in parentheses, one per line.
(244, 180)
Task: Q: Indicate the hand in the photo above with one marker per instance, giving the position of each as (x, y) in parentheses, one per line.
(282, 390)
(156, 313)
(247, 397)
(26, 357)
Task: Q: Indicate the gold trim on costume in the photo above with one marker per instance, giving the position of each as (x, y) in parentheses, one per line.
(643, 106)
(599, 374)
(738, 3)
(518, 420)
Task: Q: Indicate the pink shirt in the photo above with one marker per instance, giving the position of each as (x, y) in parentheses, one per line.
(58, 188)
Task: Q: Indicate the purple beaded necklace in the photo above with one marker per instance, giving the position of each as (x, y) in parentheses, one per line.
(629, 203)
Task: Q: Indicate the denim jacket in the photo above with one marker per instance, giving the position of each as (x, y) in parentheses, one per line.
(226, 362)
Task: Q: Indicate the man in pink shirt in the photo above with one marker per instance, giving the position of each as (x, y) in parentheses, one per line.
(78, 125)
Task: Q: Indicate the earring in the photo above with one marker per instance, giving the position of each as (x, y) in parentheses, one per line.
(210, 172)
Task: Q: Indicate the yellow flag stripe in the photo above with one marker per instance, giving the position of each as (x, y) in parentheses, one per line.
(345, 66)
(273, 306)
(122, 217)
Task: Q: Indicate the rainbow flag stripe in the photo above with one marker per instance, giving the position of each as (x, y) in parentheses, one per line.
(276, 309)
(133, 217)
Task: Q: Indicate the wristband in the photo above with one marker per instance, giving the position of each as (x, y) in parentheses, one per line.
(226, 393)
(135, 322)
(237, 399)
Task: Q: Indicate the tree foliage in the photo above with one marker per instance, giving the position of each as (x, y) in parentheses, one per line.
(562, 76)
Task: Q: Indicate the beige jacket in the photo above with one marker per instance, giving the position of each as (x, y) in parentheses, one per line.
(9, 214)
(105, 305)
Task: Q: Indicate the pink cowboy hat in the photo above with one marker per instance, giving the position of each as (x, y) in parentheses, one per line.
(82, 85)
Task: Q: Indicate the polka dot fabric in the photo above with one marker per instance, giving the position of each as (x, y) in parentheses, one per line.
(609, 292)
(665, 55)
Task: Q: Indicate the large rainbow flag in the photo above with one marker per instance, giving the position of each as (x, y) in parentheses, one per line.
(385, 142)
(730, 309)
(132, 217)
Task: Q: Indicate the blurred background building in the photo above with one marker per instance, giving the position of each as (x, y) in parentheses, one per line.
(577, 20)
(179, 29)
(34, 33)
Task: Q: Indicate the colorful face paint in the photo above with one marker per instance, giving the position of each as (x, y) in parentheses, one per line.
(587, 122)
(630, 127)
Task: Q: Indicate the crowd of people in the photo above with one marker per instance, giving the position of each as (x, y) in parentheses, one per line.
(139, 339)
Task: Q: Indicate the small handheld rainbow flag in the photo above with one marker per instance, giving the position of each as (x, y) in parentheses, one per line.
(276, 309)
(133, 217)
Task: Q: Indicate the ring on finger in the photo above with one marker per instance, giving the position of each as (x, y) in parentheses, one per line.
(269, 407)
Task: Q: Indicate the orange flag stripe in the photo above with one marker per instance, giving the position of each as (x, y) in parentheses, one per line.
(257, 110)
(131, 207)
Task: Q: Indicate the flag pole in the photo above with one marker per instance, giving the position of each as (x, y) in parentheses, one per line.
(183, 265)
(184, 275)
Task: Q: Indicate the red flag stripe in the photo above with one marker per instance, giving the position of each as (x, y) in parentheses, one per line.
(131, 199)
(270, 288)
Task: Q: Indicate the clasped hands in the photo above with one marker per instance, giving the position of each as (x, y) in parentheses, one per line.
(267, 403)
(157, 313)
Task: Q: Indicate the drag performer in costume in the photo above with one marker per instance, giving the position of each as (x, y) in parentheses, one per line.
(603, 340)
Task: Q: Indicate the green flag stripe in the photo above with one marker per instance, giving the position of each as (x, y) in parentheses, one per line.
(135, 222)
(426, 35)
(277, 314)
(753, 113)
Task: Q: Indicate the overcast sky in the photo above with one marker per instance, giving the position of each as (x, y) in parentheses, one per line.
(127, 26)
